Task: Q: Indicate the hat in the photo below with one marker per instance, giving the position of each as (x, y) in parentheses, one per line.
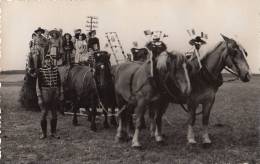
(68, 35)
(92, 31)
(77, 31)
(33, 34)
(39, 30)
(54, 31)
(83, 36)
(198, 39)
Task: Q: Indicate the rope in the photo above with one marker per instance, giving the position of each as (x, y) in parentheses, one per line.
(233, 73)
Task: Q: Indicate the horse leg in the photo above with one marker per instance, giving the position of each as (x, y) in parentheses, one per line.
(191, 122)
(160, 110)
(93, 116)
(143, 125)
(113, 118)
(140, 110)
(119, 134)
(75, 117)
(152, 122)
(206, 108)
(105, 123)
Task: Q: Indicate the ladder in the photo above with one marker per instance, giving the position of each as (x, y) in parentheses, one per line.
(115, 44)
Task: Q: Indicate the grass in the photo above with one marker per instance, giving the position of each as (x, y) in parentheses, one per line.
(234, 128)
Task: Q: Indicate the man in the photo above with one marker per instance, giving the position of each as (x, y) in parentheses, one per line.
(41, 43)
(49, 92)
(197, 42)
(93, 41)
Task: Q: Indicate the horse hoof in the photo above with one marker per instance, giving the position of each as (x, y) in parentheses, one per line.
(206, 145)
(158, 139)
(119, 139)
(113, 122)
(161, 143)
(136, 145)
(93, 128)
(75, 123)
(192, 146)
(106, 125)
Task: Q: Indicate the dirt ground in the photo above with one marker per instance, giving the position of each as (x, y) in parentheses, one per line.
(234, 128)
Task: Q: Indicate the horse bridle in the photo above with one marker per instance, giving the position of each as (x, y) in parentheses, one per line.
(231, 55)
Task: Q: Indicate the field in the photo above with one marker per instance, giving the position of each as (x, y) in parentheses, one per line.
(234, 128)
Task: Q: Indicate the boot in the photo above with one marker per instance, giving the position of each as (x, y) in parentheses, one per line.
(53, 128)
(44, 129)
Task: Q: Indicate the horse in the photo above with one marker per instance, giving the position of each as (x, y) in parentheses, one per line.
(105, 85)
(206, 81)
(83, 84)
(135, 89)
(140, 54)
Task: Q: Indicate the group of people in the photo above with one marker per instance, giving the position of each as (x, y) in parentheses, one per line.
(51, 47)
(48, 50)
(64, 47)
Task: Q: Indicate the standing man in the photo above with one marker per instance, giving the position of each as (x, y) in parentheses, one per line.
(93, 41)
(41, 43)
(49, 92)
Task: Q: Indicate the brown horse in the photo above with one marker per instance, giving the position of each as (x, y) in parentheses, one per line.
(135, 89)
(206, 81)
(85, 86)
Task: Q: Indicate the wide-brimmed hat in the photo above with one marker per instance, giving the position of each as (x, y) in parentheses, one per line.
(55, 31)
(64, 36)
(39, 30)
(197, 40)
(77, 31)
(81, 34)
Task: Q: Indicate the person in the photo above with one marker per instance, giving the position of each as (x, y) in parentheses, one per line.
(81, 47)
(49, 91)
(55, 45)
(68, 47)
(41, 43)
(197, 42)
(93, 41)
(156, 46)
(32, 42)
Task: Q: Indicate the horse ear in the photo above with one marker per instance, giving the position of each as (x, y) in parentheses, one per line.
(225, 38)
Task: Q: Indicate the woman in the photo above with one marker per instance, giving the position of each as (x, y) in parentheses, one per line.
(55, 50)
(81, 48)
(68, 47)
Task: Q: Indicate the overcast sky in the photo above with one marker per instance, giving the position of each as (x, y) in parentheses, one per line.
(237, 19)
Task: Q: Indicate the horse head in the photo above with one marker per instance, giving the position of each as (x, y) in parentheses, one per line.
(173, 68)
(156, 47)
(102, 67)
(235, 59)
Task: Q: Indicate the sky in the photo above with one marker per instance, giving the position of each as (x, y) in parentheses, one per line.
(236, 19)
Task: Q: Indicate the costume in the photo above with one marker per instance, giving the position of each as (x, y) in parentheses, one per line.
(49, 90)
(93, 43)
(68, 47)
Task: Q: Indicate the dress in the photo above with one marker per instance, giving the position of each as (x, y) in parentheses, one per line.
(81, 50)
(68, 47)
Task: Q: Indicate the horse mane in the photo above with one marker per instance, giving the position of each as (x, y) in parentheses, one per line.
(179, 58)
(162, 61)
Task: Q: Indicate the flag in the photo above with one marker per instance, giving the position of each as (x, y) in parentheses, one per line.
(193, 31)
(188, 31)
(148, 32)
